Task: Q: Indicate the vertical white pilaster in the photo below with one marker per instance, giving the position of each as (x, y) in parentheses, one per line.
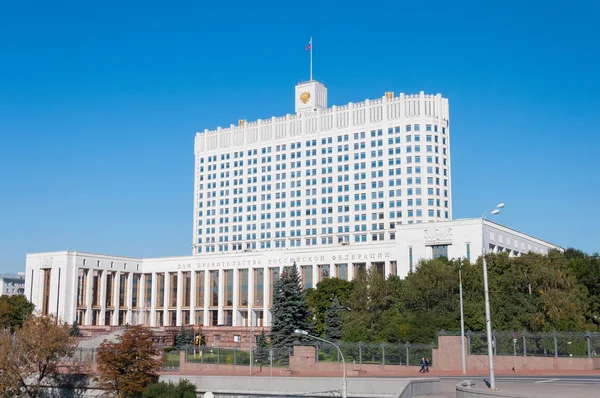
(350, 271)
(315, 275)
(193, 297)
(129, 301)
(166, 303)
(88, 297)
(102, 288)
(153, 299)
(221, 296)
(207, 294)
(236, 296)
(142, 310)
(117, 285)
(332, 271)
(250, 295)
(179, 320)
(266, 290)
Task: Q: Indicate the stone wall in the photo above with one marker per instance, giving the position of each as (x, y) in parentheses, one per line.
(447, 357)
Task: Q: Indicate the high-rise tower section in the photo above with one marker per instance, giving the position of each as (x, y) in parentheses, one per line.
(323, 176)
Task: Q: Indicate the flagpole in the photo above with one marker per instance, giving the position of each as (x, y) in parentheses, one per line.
(311, 46)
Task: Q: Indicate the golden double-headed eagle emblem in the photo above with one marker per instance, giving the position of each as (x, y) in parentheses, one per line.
(304, 97)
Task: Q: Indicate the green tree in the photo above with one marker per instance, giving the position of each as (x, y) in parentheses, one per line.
(532, 292)
(320, 299)
(182, 389)
(129, 365)
(586, 269)
(262, 349)
(14, 310)
(75, 329)
(333, 321)
(373, 314)
(290, 308)
(184, 339)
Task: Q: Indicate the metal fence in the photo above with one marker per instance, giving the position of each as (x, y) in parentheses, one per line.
(577, 345)
(239, 357)
(375, 353)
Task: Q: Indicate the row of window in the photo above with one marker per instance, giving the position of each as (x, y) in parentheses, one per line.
(324, 141)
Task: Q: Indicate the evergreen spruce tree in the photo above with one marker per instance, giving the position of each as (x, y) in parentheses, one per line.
(262, 350)
(290, 308)
(333, 321)
(75, 329)
(184, 339)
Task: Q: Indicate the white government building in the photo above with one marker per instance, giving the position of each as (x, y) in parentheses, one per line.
(334, 190)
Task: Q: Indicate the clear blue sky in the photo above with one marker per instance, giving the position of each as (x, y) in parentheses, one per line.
(99, 103)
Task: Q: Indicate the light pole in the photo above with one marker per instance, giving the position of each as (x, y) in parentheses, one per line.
(462, 320)
(300, 332)
(251, 356)
(486, 292)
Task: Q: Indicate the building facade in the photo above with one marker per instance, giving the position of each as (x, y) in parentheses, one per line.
(236, 289)
(333, 190)
(11, 284)
(323, 176)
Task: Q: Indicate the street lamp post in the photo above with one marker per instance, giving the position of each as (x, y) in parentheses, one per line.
(300, 332)
(488, 318)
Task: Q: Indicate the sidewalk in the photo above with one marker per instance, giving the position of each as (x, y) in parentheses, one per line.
(409, 372)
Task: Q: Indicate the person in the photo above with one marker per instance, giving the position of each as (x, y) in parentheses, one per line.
(422, 370)
(426, 365)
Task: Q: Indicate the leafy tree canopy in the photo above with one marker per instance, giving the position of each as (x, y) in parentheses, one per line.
(14, 310)
(322, 297)
(129, 365)
(31, 357)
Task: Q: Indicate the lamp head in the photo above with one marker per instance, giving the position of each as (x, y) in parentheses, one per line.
(495, 211)
(301, 332)
(500, 206)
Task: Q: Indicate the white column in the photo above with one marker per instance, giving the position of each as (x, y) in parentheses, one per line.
(332, 271)
(387, 269)
(179, 298)
(350, 270)
(102, 288)
(152, 312)
(142, 310)
(250, 296)
(266, 290)
(221, 296)
(166, 302)
(206, 296)
(236, 296)
(117, 285)
(315, 275)
(193, 297)
(88, 296)
(129, 303)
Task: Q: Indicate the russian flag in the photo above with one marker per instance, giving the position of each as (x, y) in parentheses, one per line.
(309, 44)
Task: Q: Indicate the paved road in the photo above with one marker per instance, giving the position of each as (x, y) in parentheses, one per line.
(568, 386)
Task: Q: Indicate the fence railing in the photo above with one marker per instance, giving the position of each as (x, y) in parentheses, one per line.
(577, 345)
(239, 357)
(375, 353)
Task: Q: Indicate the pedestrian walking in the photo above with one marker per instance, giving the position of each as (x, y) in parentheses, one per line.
(422, 370)
(426, 365)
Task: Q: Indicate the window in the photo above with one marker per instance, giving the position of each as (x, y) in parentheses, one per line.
(237, 338)
(440, 251)
(469, 251)
(410, 259)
